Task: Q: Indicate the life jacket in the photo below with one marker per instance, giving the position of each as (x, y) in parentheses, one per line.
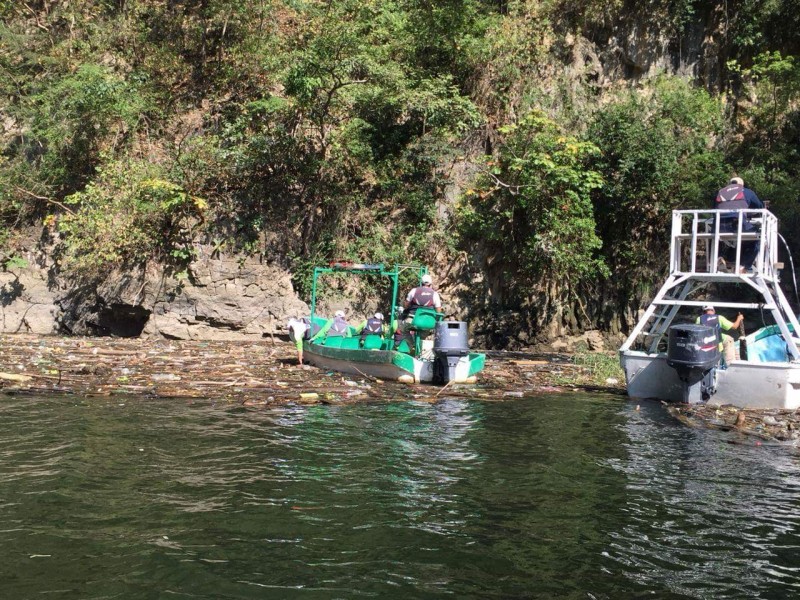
(421, 296)
(339, 328)
(712, 321)
(373, 327)
(312, 328)
(731, 198)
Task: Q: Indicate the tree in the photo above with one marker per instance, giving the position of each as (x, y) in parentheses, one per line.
(531, 212)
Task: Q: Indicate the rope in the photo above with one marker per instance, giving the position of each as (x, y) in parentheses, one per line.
(791, 262)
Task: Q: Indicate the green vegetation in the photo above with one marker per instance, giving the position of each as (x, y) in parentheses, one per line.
(657, 154)
(533, 147)
(589, 368)
(532, 207)
(599, 367)
(127, 212)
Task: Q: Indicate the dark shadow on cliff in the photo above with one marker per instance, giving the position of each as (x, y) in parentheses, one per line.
(87, 311)
(10, 292)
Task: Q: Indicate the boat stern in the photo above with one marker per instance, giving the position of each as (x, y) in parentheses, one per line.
(649, 376)
(771, 385)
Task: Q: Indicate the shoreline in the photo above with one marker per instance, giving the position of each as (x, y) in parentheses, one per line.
(252, 373)
(265, 373)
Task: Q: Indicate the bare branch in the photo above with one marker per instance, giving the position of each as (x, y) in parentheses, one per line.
(45, 198)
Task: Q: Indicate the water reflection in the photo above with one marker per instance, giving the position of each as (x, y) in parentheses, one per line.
(549, 497)
(706, 511)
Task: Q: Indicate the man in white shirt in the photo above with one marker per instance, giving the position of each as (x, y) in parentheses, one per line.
(297, 331)
(423, 295)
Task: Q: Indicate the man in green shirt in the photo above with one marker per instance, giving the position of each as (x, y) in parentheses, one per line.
(373, 329)
(711, 319)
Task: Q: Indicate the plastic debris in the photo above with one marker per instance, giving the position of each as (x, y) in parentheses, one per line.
(165, 377)
(15, 377)
(249, 373)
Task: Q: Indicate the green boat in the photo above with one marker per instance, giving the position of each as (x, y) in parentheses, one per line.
(436, 351)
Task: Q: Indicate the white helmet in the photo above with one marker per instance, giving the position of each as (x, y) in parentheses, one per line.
(379, 316)
(339, 313)
(426, 279)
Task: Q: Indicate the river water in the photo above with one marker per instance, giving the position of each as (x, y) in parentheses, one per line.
(566, 496)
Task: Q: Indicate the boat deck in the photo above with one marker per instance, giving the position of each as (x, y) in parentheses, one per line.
(699, 275)
(696, 247)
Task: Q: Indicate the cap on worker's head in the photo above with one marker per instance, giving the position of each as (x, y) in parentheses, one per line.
(707, 307)
(737, 181)
(426, 279)
(379, 316)
(339, 313)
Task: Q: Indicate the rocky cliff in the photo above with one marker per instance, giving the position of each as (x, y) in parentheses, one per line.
(219, 297)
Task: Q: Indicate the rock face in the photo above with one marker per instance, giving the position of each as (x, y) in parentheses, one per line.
(225, 299)
(643, 40)
(27, 304)
(593, 340)
(219, 298)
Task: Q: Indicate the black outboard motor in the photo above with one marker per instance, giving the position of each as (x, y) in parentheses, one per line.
(693, 351)
(450, 343)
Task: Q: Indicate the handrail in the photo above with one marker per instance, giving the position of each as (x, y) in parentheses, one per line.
(697, 241)
(365, 269)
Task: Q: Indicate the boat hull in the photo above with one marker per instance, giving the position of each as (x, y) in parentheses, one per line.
(389, 365)
(744, 384)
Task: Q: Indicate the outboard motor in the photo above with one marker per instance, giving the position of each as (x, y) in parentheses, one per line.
(450, 343)
(693, 351)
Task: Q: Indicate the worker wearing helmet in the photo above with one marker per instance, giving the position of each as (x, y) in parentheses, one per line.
(335, 327)
(422, 295)
(710, 318)
(373, 326)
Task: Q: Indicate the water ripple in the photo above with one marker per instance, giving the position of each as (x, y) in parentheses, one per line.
(562, 497)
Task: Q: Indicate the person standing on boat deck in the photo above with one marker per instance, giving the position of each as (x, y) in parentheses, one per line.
(297, 332)
(710, 318)
(422, 295)
(335, 327)
(734, 197)
(401, 334)
(372, 326)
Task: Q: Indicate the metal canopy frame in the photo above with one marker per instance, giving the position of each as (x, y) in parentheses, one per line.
(694, 264)
(346, 267)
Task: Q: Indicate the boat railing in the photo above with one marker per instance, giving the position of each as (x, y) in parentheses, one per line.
(714, 243)
(700, 238)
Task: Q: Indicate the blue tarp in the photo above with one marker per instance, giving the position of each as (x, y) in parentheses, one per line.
(767, 345)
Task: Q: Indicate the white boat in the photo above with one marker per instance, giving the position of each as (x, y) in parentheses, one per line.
(769, 377)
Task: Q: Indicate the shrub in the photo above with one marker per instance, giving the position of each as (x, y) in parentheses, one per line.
(656, 154)
(77, 117)
(532, 210)
(127, 216)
